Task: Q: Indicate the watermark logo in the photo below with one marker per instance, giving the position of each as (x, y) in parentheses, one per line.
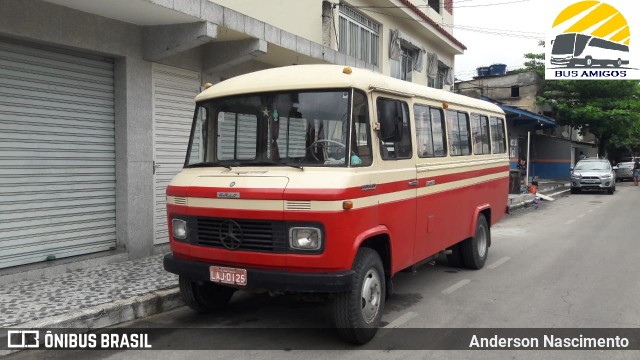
(591, 40)
(76, 339)
(23, 339)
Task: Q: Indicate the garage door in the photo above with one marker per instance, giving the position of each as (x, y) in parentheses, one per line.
(57, 159)
(174, 91)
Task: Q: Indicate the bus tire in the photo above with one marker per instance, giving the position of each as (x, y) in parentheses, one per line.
(589, 61)
(204, 297)
(455, 258)
(619, 63)
(357, 313)
(476, 248)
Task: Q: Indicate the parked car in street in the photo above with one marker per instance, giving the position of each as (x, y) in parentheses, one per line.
(593, 174)
(630, 159)
(625, 171)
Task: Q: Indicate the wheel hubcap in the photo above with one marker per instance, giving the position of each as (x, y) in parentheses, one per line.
(371, 294)
(481, 241)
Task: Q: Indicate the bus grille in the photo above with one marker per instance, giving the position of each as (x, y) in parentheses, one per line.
(254, 235)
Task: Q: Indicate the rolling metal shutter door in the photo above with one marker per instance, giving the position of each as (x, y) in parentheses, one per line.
(57, 155)
(174, 91)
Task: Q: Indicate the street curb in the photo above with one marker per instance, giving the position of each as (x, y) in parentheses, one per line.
(561, 189)
(108, 314)
(112, 313)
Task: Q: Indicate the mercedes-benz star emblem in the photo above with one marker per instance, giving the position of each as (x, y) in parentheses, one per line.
(231, 235)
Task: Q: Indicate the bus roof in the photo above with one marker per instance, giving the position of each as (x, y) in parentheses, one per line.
(299, 77)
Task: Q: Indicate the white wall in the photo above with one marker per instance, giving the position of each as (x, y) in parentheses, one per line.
(304, 18)
(299, 17)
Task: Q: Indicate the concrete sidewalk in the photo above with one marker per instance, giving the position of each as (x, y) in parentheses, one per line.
(114, 293)
(545, 187)
(91, 298)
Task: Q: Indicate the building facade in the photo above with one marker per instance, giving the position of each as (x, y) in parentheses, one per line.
(97, 103)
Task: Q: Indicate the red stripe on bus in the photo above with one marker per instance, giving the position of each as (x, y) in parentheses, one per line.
(442, 179)
(327, 194)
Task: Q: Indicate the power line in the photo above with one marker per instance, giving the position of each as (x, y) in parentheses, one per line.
(426, 6)
(490, 29)
(501, 32)
(362, 7)
(494, 4)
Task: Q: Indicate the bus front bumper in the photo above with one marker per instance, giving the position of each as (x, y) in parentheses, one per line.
(273, 280)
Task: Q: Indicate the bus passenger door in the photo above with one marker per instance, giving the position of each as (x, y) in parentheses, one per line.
(396, 179)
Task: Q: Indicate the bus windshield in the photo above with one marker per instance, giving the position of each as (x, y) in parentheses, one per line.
(300, 128)
(563, 44)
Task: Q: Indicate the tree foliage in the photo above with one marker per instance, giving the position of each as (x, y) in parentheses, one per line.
(609, 109)
(535, 61)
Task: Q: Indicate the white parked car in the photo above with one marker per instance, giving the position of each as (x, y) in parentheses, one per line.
(625, 171)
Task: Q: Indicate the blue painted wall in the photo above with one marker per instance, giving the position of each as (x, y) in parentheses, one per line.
(551, 170)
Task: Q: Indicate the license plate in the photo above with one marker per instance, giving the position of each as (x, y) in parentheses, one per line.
(225, 275)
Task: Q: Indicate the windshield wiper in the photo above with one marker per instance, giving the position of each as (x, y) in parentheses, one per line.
(291, 165)
(275, 163)
(207, 164)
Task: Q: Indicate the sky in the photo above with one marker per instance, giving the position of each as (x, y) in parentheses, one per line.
(498, 32)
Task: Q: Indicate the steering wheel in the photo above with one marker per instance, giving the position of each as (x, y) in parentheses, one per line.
(325, 152)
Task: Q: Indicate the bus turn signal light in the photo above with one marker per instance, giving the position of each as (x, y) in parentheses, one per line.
(347, 70)
(347, 205)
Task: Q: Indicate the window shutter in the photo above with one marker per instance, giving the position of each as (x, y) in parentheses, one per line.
(394, 45)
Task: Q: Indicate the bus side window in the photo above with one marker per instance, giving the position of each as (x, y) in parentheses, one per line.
(459, 134)
(429, 131)
(402, 149)
(361, 132)
(480, 134)
(498, 140)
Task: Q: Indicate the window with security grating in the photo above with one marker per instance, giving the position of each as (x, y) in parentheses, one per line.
(359, 35)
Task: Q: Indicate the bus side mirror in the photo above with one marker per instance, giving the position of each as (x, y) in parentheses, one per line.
(390, 119)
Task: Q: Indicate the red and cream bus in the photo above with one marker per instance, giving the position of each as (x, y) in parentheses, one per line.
(330, 180)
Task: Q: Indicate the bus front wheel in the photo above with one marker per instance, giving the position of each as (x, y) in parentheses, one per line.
(619, 63)
(589, 61)
(475, 249)
(204, 297)
(357, 313)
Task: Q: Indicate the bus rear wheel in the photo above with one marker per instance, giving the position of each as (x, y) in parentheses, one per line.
(475, 249)
(619, 63)
(357, 313)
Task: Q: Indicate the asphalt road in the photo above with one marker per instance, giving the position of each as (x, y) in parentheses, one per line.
(571, 263)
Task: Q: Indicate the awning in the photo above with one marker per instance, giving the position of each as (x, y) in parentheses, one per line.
(523, 117)
(517, 114)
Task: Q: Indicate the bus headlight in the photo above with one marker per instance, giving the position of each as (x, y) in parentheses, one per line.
(179, 228)
(305, 238)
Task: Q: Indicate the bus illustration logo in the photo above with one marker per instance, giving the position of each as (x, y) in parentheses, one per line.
(589, 40)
